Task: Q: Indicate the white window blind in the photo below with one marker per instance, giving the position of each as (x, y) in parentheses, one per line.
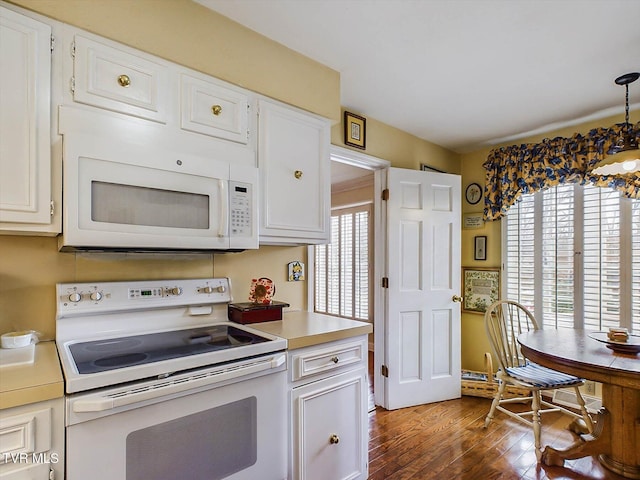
(572, 256)
(342, 268)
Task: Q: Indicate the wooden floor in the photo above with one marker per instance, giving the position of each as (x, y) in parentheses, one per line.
(446, 440)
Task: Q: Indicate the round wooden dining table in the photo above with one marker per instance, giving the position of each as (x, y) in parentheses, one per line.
(616, 436)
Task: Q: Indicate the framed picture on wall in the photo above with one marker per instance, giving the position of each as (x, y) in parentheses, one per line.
(480, 247)
(428, 168)
(480, 288)
(355, 130)
(472, 220)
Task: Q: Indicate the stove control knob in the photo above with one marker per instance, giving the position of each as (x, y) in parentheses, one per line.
(221, 289)
(207, 289)
(175, 291)
(96, 296)
(75, 297)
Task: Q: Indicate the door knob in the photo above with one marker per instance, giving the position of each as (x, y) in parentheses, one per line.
(457, 298)
(333, 439)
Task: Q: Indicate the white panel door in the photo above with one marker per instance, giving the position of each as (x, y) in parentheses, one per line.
(422, 321)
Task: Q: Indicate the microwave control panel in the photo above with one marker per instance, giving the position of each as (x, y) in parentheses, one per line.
(240, 215)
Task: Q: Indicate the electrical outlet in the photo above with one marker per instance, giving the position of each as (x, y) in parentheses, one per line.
(589, 387)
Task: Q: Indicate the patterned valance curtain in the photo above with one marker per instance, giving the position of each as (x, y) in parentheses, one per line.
(518, 169)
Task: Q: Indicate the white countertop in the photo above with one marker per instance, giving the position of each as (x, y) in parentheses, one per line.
(303, 329)
(35, 382)
(43, 380)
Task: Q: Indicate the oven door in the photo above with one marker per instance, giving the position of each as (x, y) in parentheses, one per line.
(233, 428)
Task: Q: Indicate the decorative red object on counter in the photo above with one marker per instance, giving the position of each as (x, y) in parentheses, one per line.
(250, 312)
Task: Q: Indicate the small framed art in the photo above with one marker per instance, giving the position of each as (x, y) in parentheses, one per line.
(428, 168)
(355, 130)
(472, 220)
(480, 247)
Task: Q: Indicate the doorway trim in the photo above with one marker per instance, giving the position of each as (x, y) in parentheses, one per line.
(379, 168)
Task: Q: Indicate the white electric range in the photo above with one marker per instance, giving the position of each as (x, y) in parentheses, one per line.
(161, 385)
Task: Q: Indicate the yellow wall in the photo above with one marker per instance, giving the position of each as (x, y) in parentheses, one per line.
(400, 148)
(474, 342)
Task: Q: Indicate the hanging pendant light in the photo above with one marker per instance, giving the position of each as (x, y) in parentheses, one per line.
(625, 157)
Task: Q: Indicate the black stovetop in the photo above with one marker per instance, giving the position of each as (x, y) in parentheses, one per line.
(110, 354)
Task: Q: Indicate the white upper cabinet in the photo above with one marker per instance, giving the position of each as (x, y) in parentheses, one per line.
(214, 110)
(25, 125)
(293, 159)
(119, 79)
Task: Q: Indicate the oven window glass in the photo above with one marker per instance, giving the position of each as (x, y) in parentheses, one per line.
(134, 205)
(208, 445)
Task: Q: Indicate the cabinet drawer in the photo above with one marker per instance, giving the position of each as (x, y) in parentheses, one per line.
(213, 110)
(315, 362)
(24, 433)
(119, 80)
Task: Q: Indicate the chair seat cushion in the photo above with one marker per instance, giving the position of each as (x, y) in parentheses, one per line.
(543, 377)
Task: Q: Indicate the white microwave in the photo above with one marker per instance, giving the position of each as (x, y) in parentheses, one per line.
(131, 197)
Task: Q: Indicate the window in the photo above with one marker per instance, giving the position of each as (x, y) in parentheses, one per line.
(572, 256)
(342, 273)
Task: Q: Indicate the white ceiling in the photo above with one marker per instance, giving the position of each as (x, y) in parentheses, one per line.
(463, 73)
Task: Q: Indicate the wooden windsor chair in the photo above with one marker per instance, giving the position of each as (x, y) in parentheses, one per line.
(504, 321)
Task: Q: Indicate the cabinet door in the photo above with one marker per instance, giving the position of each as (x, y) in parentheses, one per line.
(120, 79)
(329, 428)
(25, 145)
(211, 109)
(293, 157)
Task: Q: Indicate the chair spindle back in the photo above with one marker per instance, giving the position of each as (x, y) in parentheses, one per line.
(504, 320)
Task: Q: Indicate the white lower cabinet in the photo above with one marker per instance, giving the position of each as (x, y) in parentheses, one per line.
(329, 437)
(32, 441)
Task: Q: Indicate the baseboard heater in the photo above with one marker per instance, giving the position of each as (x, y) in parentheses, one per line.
(567, 398)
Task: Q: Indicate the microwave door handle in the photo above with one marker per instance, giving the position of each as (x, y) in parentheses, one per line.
(223, 228)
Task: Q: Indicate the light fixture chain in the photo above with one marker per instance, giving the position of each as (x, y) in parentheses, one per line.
(626, 108)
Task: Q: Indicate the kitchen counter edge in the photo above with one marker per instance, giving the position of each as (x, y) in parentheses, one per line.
(42, 380)
(304, 329)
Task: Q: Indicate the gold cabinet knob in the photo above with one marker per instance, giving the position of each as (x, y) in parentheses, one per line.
(124, 80)
(335, 359)
(216, 110)
(334, 439)
(457, 298)
(298, 174)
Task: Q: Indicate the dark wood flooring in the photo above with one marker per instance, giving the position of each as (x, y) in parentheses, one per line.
(446, 440)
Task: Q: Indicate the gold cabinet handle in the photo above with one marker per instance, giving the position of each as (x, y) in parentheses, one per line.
(298, 174)
(457, 298)
(334, 439)
(335, 359)
(216, 110)
(124, 80)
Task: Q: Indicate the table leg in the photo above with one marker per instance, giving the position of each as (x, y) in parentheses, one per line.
(586, 444)
(624, 455)
(616, 436)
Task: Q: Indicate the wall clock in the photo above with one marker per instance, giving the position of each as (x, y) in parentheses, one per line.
(473, 193)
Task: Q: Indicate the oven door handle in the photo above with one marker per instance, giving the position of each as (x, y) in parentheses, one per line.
(172, 385)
